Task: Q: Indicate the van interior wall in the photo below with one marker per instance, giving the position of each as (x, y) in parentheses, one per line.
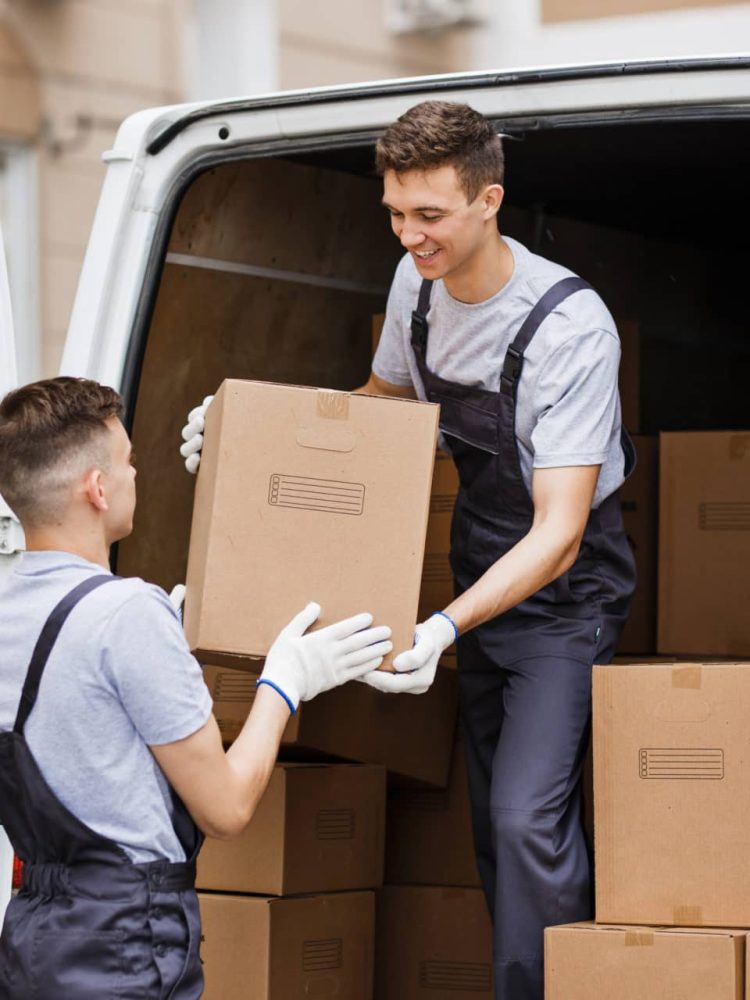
(274, 271)
(275, 268)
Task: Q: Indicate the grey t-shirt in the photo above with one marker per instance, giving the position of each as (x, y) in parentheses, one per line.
(119, 679)
(568, 405)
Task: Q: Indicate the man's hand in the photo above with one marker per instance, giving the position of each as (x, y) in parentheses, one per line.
(416, 668)
(300, 666)
(192, 435)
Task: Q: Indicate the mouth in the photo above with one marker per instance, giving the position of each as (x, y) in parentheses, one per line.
(425, 255)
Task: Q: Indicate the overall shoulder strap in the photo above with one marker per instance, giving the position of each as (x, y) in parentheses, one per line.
(419, 328)
(46, 641)
(548, 303)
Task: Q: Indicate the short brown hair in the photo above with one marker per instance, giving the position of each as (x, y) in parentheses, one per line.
(51, 431)
(441, 133)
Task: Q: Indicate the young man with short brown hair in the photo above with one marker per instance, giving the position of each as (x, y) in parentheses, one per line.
(112, 766)
(523, 357)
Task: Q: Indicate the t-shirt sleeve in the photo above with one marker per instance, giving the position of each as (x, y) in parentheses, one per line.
(389, 362)
(578, 402)
(149, 665)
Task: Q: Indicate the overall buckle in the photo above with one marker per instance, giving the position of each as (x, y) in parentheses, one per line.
(419, 329)
(512, 366)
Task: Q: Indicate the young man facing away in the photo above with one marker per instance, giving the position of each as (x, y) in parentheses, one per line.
(111, 762)
(523, 358)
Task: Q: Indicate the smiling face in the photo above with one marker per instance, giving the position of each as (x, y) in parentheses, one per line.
(447, 235)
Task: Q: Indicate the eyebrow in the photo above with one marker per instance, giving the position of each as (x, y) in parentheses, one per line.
(419, 208)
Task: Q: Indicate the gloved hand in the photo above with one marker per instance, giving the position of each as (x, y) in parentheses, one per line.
(192, 435)
(300, 666)
(177, 596)
(416, 667)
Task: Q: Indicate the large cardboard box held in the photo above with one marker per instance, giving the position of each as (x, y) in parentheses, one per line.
(639, 496)
(704, 544)
(411, 736)
(433, 942)
(306, 495)
(428, 832)
(436, 590)
(672, 793)
(255, 948)
(318, 828)
(600, 962)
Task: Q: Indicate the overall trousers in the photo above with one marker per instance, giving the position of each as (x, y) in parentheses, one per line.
(88, 923)
(525, 676)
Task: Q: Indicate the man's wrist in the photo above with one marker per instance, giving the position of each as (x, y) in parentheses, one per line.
(290, 703)
(447, 618)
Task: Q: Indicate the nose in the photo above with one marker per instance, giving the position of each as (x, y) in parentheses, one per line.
(411, 235)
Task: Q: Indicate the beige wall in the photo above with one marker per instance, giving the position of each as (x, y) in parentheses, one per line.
(346, 41)
(574, 10)
(78, 67)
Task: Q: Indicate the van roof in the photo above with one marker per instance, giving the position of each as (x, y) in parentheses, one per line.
(434, 85)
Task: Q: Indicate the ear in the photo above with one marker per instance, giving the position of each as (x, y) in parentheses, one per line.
(492, 199)
(93, 484)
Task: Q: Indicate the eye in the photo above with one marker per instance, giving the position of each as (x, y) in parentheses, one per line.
(431, 218)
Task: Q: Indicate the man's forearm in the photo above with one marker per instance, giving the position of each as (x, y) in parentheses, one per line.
(252, 756)
(540, 557)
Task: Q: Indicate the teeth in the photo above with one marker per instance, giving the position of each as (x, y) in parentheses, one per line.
(425, 253)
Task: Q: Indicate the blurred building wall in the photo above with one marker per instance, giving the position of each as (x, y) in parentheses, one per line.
(70, 71)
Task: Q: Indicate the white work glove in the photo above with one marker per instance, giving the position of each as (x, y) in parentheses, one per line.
(192, 435)
(300, 666)
(416, 668)
(177, 596)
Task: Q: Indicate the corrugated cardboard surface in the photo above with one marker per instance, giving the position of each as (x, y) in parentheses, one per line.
(704, 544)
(302, 495)
(600, 962)
(318, 828)
(411, 736)
(672, 793)
(255, 948)
(428, 832)
(639, 495)
(433, 943)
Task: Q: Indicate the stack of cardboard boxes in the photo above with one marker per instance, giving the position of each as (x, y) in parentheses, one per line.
(289, 907)
(671, 749)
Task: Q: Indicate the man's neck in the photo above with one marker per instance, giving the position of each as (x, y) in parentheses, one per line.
(95, 550)
(489, 270)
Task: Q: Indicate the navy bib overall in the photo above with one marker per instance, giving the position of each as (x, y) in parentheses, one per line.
(525, 676)
(88, 923)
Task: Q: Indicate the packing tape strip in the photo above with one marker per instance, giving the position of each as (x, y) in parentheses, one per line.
(333, 405)
(687, 916)
(690, 676)
(639, 939)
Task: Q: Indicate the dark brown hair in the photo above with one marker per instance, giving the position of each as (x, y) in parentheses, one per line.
(50, 431)
(441, 133)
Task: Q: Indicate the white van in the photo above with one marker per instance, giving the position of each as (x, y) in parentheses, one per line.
(246, 238)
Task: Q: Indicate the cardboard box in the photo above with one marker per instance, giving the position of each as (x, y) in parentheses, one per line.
(639, 495)
(411, 735)
(593, 962)
(255, 948)
(318, 828)
(672, 793)
(429, 838)
(704, 544)
(433, 943)
(306, 494)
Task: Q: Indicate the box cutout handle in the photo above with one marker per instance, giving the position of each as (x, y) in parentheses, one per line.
(327, 437)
